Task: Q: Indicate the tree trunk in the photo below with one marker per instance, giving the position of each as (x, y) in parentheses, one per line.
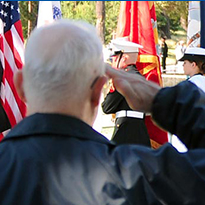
(29, 21)
(183, 23)
(166, 29)
(100, 24)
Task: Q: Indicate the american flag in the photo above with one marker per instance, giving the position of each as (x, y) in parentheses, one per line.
(11, 55)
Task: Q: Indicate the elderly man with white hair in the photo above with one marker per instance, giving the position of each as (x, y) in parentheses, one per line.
(53, 156)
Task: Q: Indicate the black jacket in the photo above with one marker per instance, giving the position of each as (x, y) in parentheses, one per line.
(114, 101)
(57, 159)
(164, 50)
(4, 121)
(127, 130)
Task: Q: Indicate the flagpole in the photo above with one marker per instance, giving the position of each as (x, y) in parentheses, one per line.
(29, 20)
(202, 14)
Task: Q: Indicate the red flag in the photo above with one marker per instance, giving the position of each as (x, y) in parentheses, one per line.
(11, 53)
(136, 21)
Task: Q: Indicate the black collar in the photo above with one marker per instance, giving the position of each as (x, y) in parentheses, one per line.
(49, 125)
(195, 75)
(198, 74)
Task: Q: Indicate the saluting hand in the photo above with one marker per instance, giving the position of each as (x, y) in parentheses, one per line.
(138, 92)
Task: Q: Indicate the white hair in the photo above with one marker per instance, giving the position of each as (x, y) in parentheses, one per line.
(61, 62)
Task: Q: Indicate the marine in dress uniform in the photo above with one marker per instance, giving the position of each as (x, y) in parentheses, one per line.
(129, 125)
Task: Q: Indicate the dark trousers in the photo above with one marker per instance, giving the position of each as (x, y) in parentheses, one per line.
(130, 130)
(164, 63)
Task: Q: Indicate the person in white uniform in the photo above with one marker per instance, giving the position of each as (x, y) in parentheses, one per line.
(194, 66)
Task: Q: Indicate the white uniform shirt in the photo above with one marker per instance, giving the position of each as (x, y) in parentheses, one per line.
(198, 80)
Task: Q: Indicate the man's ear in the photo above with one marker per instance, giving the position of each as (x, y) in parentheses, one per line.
(96, 90)
(18, 82)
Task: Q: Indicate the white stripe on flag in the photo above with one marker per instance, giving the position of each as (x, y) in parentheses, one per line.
(12, 102)
(9, 56)
(2, 59)
(18, 44)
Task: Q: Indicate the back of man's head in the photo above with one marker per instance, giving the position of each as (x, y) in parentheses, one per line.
(61, 60)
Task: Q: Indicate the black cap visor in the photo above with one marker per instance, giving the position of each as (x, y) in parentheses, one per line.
(116, 53)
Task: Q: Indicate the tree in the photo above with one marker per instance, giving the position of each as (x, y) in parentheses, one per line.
(171, 15)
(100, 24)
(81, 10)
(112, 9)
(86, 10)
(29, 13)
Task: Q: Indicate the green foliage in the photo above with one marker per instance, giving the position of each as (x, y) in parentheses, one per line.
(171, 13)
(25, 15)
(161, 20)
(168, 13)
(86, 10)
(23, 6)
(79, 10)
(174, 23)
(112, 11)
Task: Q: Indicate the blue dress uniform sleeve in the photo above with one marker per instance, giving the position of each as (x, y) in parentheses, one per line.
(181, 111)
(162, 176)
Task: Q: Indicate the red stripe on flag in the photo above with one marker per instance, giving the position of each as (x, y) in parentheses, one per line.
(18, 27)
(1, 136)
(8, 74)
(17, 58)
(9, 113)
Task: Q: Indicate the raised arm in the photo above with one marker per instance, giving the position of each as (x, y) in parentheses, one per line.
(179, 109)
(139, 93)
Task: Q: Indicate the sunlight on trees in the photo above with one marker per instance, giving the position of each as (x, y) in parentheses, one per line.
(171, 15)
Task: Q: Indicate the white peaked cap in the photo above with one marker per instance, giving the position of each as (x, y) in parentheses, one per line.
(124, 46)
(193, 53)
